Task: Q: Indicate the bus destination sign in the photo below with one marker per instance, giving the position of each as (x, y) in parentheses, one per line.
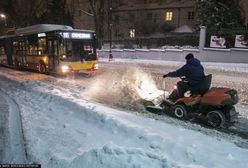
(75, 35)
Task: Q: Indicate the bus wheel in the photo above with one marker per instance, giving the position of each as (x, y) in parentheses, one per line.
(17, 64)
(42, 68)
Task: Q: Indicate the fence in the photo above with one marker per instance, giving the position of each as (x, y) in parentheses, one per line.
(203, 52)
(226, 36)
(158, 41)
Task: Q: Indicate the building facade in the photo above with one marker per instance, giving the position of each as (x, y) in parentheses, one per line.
(244, 6)
(159, 16)
(133, 18)
(138, 17)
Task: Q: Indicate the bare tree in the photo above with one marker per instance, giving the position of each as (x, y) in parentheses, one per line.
(98, 11)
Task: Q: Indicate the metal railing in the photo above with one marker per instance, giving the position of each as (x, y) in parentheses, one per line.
(170, 39)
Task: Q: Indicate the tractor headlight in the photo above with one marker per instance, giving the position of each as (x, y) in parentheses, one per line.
(175, 87)
(234, 95)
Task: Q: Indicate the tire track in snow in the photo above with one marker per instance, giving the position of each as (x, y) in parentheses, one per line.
(4, 111)
(15, 150)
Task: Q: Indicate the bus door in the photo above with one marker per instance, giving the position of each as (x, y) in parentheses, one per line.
(52, 48)
(22, 54)
(8, 50)
(19, 54)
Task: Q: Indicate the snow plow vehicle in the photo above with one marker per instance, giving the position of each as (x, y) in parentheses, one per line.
(213, 106)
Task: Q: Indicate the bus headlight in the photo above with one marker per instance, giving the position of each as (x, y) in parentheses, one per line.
(65, 68)
(45, 59)
(95, 66)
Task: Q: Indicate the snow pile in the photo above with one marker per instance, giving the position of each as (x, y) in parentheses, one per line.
(81, 133)
(184, 29)
(227, 67)
(112, 156)
(179, 47)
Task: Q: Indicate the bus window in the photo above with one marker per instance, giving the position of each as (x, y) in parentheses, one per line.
(62, 50)
(1, 49)
(33, 45)
(78, 51)
(42, 46)
(88, 52)
(2, 53)
(15, 47)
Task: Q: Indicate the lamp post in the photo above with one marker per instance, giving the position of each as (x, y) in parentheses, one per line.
(110, 29)
(3, 16)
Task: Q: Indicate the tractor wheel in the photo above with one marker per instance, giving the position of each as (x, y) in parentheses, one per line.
(180, 111)
(216, 119)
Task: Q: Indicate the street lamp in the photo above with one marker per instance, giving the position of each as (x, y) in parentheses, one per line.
(3, 16)
(110, 26)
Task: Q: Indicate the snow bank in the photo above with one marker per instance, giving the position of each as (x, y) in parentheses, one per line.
(112, 156)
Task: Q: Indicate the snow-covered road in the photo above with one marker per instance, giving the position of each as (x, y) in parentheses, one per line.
(64, 126)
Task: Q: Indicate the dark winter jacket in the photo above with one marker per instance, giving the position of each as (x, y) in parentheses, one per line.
(192, 70)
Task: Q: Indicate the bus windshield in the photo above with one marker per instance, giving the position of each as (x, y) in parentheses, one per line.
(76, 50)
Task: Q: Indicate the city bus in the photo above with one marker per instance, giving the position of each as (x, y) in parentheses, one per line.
(50, 48)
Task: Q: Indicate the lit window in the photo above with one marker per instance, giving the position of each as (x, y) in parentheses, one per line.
(132, 33)
(168, 16)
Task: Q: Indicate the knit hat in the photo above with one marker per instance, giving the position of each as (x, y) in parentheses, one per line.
(189, 56)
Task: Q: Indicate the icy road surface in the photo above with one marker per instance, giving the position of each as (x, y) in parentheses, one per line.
(63, 126)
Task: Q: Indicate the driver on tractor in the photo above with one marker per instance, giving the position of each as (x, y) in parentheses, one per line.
(193, 72)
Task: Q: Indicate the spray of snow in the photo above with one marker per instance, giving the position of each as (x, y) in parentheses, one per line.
(126, 88)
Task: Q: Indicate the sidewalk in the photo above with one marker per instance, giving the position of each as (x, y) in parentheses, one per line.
(234, 67)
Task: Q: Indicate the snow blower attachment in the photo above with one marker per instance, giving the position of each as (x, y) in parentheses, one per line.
(214, 106)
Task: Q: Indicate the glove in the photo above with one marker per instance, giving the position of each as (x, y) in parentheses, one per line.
(164, 76)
